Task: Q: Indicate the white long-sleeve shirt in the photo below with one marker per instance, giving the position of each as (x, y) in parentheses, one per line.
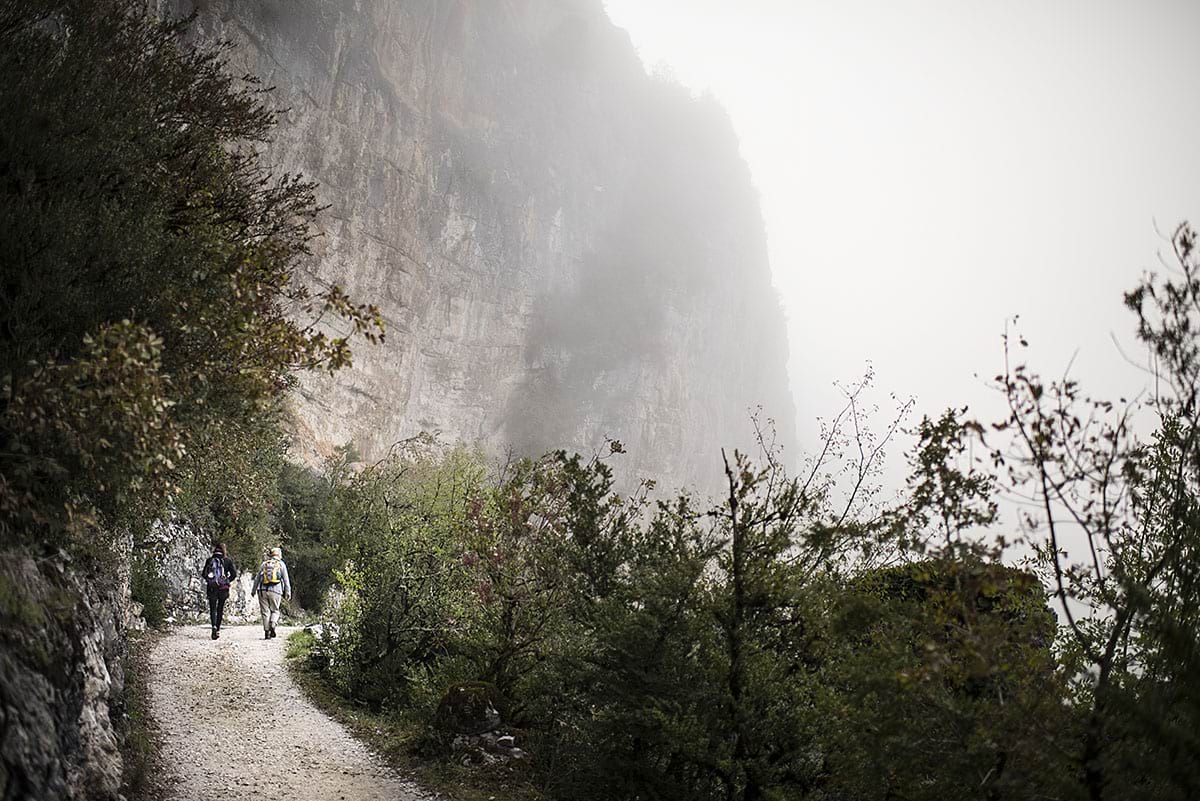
(284, 586)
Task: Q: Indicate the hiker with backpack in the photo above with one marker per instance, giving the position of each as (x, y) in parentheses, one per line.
(271, 585)
(218, 573)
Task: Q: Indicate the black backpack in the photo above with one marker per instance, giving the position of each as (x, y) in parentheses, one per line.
(215, 574)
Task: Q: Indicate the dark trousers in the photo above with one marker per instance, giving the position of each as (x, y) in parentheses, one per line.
(216, 604)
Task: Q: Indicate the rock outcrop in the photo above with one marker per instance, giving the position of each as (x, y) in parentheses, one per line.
(564, 248)
(182, 550)
(62, 648)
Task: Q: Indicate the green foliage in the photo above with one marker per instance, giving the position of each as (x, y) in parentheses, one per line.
(148, 588)
(300, 646)
(152, 309)
(138, 733)
(1116, 533)
(954, 689)
(17, 609)
(630, 695)
(949, 496)
(657, 650)
(406, 584)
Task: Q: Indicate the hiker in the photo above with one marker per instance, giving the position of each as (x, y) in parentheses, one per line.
(218, 573)
(271, 585)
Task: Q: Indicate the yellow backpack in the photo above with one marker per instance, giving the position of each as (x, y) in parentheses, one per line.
(272, 572)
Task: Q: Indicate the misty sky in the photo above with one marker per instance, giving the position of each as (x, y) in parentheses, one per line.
(929, 167)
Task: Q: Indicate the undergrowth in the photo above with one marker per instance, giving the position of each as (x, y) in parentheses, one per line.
(402, 742)
(140, 748)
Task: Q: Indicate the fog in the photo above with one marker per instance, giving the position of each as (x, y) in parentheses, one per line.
(930, 168)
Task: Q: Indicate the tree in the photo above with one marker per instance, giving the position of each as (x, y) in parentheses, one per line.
(153, 309)
(1114, 524)
(397, 530)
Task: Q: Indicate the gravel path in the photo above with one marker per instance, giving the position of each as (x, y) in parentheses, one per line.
(233, 722)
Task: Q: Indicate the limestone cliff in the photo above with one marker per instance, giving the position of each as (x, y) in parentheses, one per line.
(563, 247)
(62, 646)
(181, 550)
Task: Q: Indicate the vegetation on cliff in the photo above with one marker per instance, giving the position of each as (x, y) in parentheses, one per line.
(152, 315)
(153, 309)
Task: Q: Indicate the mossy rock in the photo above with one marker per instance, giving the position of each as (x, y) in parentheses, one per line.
(469, 707)
(17, 608)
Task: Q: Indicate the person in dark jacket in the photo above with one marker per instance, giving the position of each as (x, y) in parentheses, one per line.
(219, 572)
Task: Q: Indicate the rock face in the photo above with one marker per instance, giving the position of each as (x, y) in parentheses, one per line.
(564, 248)
(182, 550)
(61, 679)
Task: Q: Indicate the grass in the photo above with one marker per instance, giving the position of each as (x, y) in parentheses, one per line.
(400, 741)
(140, 749)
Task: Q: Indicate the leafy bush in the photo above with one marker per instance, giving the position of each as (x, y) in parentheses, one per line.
(662, 650)
(397, 528)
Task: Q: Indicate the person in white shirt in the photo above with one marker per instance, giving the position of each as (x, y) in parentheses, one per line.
(271, 585)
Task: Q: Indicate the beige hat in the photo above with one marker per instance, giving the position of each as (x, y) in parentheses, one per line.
(276, 552)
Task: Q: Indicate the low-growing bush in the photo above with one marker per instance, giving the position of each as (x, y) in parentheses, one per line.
(665, 649)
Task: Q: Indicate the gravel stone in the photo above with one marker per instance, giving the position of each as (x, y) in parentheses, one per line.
(231, 716)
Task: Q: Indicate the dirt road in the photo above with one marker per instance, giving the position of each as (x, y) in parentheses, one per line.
(232, 721)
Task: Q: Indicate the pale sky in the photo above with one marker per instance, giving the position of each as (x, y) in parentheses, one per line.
(928, 168)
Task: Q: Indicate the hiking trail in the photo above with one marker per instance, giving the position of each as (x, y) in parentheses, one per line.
(230, 718)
